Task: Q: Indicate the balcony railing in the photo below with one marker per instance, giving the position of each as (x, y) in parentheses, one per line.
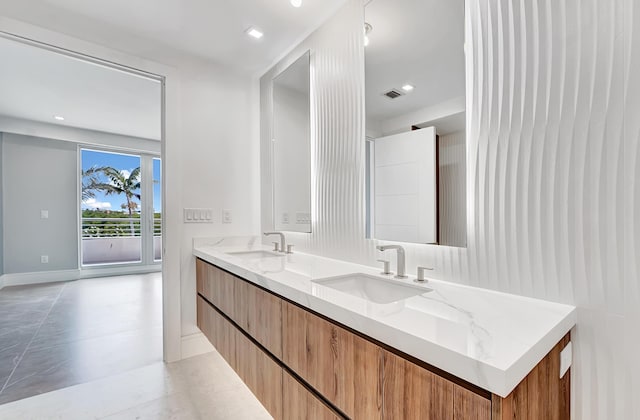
(105, 227)
(116, 240)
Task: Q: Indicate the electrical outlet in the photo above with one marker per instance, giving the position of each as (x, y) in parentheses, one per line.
(285, 218)
(566, 356)
(303, 218)
(227, 217)
(44, 259)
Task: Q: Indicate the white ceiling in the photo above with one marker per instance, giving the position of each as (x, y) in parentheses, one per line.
(210, 29)
(37, 84)
(420, 42)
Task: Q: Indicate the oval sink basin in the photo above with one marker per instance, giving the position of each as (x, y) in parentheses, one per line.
(255, 254)
(371, 288)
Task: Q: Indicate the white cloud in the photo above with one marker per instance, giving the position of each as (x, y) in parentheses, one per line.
(92, 203)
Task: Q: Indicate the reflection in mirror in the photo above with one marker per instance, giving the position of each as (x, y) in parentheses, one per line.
(292, 148)
(415, 121)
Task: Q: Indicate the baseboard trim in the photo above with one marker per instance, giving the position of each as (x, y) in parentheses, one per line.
(195, 344)
(87, 273)
(23, 279)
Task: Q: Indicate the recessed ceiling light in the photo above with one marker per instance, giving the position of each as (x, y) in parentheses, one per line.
(296, 3)
(253, 32)
(407, 88)
(58, 117)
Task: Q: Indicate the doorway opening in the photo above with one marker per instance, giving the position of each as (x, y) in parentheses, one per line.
(121, 211)
(60, 113)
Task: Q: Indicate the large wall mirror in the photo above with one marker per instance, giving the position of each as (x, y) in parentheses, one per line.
(415, 121)
(292, 148)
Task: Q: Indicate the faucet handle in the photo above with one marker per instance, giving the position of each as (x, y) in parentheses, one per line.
(276, 246)
(387, 267)
(290, 249)
(421, 273)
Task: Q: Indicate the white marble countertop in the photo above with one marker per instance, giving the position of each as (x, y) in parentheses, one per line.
(488, 338)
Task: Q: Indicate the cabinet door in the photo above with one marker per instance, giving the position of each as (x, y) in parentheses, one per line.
(216, 286)
(341, 366)
(262, 375)
(411, 392)
(300, 403)
(218, 330)
(469, 405)
(260, 314)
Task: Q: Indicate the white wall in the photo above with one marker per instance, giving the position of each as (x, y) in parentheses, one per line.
(220, 169)
(44, 177)
(553, 172)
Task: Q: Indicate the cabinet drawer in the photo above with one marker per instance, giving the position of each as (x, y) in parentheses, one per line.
(217, 286)
(300, 403)
(260, 314)
(344, 368)
(262, 374)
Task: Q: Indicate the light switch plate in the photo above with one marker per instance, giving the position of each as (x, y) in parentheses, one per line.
(285, 218)
(198, 215)
(566, 358)
(227, 217)
(44, 214)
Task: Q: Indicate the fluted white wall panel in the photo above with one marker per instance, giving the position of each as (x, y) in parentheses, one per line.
(553, 171)
(452, 200)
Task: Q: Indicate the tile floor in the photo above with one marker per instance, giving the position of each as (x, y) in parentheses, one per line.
(202, 387)
(56, 335)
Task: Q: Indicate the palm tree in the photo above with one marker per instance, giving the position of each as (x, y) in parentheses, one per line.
(121, 182)
(91, 181)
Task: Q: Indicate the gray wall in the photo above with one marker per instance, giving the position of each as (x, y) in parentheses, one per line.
(43, 175)
(1, 214)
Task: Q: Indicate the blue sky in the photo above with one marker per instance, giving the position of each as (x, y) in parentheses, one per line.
(123, 163)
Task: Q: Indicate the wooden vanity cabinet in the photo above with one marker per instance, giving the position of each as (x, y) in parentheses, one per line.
(301, 365)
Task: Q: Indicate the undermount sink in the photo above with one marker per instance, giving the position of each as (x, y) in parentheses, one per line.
(255, 254)
(371, 288)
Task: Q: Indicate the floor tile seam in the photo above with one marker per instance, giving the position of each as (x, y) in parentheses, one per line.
(97, 337)
(31, 340)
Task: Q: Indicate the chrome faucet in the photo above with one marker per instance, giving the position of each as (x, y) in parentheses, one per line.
(283, 243)
(400, 254)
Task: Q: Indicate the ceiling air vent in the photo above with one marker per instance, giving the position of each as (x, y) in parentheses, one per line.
(393, 94)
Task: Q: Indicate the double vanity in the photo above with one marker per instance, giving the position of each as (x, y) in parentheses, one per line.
(314, 337)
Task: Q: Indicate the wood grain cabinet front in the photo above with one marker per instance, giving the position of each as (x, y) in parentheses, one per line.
(259, 314)
(300, 403)
(344, 368)
(412, 392)
(217, 286)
